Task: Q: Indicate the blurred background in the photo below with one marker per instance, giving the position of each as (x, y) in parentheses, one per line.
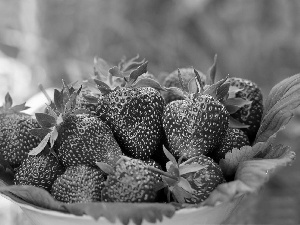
(45, 41)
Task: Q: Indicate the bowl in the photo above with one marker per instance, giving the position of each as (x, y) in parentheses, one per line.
(188, 216)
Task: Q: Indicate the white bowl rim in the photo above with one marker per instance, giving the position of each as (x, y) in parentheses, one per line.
(85, 217)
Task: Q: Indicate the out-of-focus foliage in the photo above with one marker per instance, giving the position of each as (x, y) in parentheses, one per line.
(256, 39)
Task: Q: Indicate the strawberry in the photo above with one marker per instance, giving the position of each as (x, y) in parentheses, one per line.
(79, 184)
(195, 125)
(172, 80)
(77, 137)
(15, 139)
(203, 181)
(88, 99)
(134, 113)
(191, 181)
(235, 138)
(130, 181)
(39, 170)
(249, 114)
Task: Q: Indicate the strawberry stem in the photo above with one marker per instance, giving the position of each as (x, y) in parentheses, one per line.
(41, 87)
(163, 173)
(183, 87)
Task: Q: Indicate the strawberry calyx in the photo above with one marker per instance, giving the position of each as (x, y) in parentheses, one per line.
(225, 94)
(63, 105)
(129, 72)
(8, 107)
(173, 180)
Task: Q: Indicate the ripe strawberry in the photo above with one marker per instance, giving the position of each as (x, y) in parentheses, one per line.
(77, 137)
(39, 170)
(235, 138)
(88, 99)
(81, 183)
(15, 139)
(195, 125)
(130, 181)
(134, 113)
(191, 181)
(203, 181)
(249, 114)
(172, 80)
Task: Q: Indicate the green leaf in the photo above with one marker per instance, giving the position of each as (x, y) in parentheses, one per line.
(233, 90)
(106, 168)
(169, 181)
(131, 64)
(101, 68)
(51, 112)
(116, 72)
(159, 185)
(193, 86)
(81, 111)
(177, 92)
(184, 169)
(233, 158)
(8, 101)
(212, 71)
(173, 169)
(124, 212)
(41, 145)
(240, 102)
(200, 87)
(103, 87)
(190, 160)
(227, 192)
(250, 176)
(255, 173)
(180, 194)
(212, 89)
(170, 156)
(275, 152)
(91, 99)
(40, 132)
(148, 82)
(45, 120)
(283, 89)
(70, 105)
(182, 84)
(19, 108)
(232, 108)
(58, 100)
(282, 100)
(53, 137)
(222, 91)
(233, 123)
(32, 195)
(184, 184)
(137, 72)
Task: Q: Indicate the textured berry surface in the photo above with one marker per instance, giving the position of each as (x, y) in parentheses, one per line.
(205, 180)
(84, 139)
(83, 103)
(194, 126)
(172, 80)
(15, 139)
(39, 170)
(135, 117)
(80, 183)
(235, 138)
(249, 114)
(131, 182)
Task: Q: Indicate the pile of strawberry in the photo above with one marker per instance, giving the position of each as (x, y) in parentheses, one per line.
(132, 139)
